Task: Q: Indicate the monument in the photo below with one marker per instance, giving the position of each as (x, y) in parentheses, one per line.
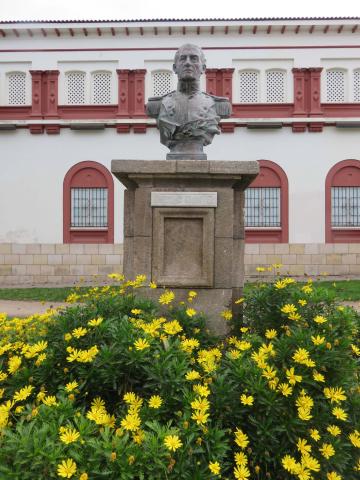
(184, 216)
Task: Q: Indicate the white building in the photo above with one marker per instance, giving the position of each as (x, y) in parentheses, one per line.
(72, 98)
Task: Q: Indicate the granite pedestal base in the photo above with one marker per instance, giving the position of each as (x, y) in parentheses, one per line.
(184, 228)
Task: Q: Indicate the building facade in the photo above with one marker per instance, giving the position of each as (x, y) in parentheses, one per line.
(72, 98)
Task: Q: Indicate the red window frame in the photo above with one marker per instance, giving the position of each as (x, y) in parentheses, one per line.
(344, 174)
(271, 175)
(88, 174)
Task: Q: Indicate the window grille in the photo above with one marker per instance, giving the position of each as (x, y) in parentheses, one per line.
(275, 86)
(345, 206)
(101, 88)
(357, 86)
(249, 87)
(89, 207)
(16, 88)
(262, 207)
(162, 83)
(335, 86)
(75, 88)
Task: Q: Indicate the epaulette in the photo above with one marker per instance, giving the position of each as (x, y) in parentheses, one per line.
(154, 104)
(222, 106)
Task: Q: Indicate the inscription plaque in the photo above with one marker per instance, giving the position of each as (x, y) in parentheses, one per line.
(184, 199)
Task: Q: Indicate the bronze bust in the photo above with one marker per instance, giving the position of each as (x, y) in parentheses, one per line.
(187, 118)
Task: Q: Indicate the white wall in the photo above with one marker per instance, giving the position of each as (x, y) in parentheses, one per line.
(34, 166)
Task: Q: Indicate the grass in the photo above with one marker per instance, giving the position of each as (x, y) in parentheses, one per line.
(55, 294)
(344, 289)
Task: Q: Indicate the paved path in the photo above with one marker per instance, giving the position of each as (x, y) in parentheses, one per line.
(20, 308)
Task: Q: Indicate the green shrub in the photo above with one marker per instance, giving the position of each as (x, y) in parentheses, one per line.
(121, 387)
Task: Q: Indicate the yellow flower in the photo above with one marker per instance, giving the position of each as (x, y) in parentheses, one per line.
(214, 468)
(241, 472)
(239, 301)
(290, 464)
(190, 312)
(327, 450)
(285, 389)
(200, 417)
(79, 332)
(302, 302)
(172, 442)
(304, 414)
(320, 319)
(355, 349)
(95, 322)
(335, 394)
(69, 435)
(355, 438)
(317, 340)
(152, 285)
(201, 390)
(333, 476)
(167, 297)
(334, 430)
(260, 269)
(244, 329)
(172, 328)
(318, 377)
(241, 458)
(306, 289)
(141, 344)
(339, 413)
(303, 446)
(23, 393)
(227, 314)
(288, 308)
(294, 316)
(69, 387)
(67, 337)
(67, 468)
(270, 334)
(292, 377)
(241, 439)
(131, 459)
(192, 294)
(310, 463)
(131, 422)
(155, 401)
(246, 400)
(50, 401)
(14, 364)
(84, 476)
(200, 404)
(112, 456)
(314, 434)
(192, 375)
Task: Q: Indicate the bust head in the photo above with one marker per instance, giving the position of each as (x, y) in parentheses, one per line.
(189, 63)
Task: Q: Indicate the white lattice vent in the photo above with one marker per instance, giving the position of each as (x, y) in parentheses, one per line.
(162, 83)
(357, 86)
(335, 86)
(249, 87)
(275, 86)
(16, 88)
(75, 88)
(101, 88)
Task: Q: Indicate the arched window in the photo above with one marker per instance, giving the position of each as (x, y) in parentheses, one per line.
(342, 203)
(275, 86)
(16, 88)
(88, 204)
(249, 86)
(101, 88)
(266, 206)
(335, 85)
(162, 82)
(75, 88)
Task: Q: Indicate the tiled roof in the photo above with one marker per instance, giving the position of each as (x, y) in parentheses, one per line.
(142, 20)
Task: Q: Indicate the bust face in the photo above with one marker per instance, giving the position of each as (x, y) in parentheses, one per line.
(189, 63)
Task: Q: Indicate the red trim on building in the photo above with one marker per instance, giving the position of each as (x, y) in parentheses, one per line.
(271, 175)
(88, 174)
(344, 174)
(262, 110)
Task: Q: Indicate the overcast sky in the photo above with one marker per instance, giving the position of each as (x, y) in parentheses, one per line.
(147, 9)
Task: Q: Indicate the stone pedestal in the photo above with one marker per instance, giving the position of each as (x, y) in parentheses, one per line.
(184, 228)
